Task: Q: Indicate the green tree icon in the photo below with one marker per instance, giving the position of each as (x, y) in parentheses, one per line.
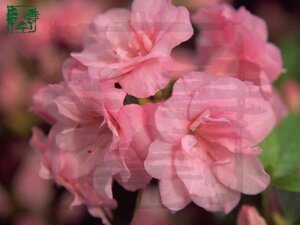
(21, 26)
(31, 16)
(11, 17)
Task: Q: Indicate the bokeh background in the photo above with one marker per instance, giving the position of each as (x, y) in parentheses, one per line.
(31, 60)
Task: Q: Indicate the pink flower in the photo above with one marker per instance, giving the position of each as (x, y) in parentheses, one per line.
(25, 179)
(248, 215)
(40, 41)
(13, 85)
(94, 138)
(234, 42)
(71, 18)
(206, 150)
(134, 47)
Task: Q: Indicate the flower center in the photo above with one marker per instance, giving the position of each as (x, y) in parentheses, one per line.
(141, 43)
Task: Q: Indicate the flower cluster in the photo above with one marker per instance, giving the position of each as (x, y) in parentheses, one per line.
(200, 143)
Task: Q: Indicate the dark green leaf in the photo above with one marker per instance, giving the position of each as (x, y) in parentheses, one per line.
(290, 182)
(282, 148)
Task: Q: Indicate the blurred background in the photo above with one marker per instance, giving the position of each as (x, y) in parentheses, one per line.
(30, 60)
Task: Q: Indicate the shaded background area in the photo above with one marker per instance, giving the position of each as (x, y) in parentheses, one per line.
(29, 61)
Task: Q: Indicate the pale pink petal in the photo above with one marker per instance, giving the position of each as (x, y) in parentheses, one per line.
(257, 106)
(98, 47)
(173, 194)
(171, 122)
(73, 69)
(140, 85)
(139, 178)
(204, 189)
(171, 23)
(159, 162)
(274, 64)
(257, 25)
(242, 173)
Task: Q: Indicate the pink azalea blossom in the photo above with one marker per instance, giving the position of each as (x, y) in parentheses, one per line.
(234, 42)
(206, 150)
(94, 138)
(248, 215)
(134, 47)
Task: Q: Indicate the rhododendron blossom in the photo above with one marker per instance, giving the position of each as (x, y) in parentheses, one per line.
(92, 139)
(234, 42)
(134, 47)
(206, 150)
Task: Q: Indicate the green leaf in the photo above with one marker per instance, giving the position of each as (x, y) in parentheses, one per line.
(290, 182)
(269, 157)
(290, 49)
(282, 148)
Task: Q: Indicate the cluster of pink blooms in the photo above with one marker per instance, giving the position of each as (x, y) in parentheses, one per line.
(201, 143)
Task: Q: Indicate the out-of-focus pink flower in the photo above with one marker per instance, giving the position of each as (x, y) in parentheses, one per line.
(234, 42)
(134, 47)
(13, 85)
(94, 138)
(25, 179)
(27, 219)
(206, 150)
(65, 22)
(291, 92)
(249, 215)
(37, 42)
(150, 210)
(70, 20)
